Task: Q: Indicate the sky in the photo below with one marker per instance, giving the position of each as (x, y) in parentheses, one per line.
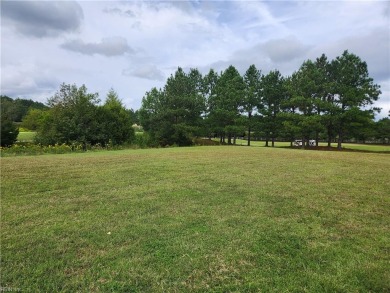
(133, 46)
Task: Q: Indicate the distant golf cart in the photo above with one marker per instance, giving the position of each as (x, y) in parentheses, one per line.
(298, 142)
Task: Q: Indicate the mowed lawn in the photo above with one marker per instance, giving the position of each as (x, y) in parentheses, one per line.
(198, 219)
(350, 146)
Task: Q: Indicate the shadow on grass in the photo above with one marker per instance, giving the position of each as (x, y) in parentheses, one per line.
(334, 149)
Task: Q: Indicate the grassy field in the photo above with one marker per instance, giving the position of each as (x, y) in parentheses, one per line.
(352, 146)
(26, 136)
(199, 219)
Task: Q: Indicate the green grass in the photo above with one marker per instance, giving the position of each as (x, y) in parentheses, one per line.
(25, 136)
(200, 219)
(352, 146)
(367, 147)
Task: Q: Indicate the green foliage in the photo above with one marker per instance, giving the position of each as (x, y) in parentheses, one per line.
(328, 97)
(383, 130)
(26, 136)
(273, 94)
(322, 100)
(252, 99)
(116, 120)
(352, 88)
(173, 115)
(75, 117)
(32, 149)
(225, 105)
(290, 128)
(71, 118)
(143, 140)
(308, 89)
(209, 91)
(33, 119)
(18, 108)
(9, 131)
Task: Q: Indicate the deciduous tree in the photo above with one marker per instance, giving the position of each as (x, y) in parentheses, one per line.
(71, 118)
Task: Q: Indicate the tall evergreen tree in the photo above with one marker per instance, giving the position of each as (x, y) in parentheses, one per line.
(352, 89)
(273, 94)
(173, 116)
(116, 120)
(151, 114)
(210, 81)
(307, 95)
(229, 97)
(252, 97)
(322, 97)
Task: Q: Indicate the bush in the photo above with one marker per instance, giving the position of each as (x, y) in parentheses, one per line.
(143, 140)
(36, 149)
(9, 131)
(30, 149)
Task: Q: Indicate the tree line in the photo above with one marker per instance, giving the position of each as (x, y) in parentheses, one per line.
(16, 109)
(322, 100)
(75, 117)
(12, 113)
(328, 100)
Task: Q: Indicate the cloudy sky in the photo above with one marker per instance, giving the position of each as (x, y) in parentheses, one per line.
(132, 46)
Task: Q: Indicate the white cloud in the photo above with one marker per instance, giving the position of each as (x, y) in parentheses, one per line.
(109, 47)
(372, 47)
(283, 50)
(146, 71)
(31, 81)
(42, 18)
(151, 39)
(118, 11)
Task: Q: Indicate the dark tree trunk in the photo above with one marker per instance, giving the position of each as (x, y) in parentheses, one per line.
(249, 136)
(317, 132)
(249, 128)
(329, 136)
(340, 140)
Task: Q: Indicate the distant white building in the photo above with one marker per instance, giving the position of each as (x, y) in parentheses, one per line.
(298, 142)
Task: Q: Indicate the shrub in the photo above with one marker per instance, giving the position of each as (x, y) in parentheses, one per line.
(143, 140)
(9, 131)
